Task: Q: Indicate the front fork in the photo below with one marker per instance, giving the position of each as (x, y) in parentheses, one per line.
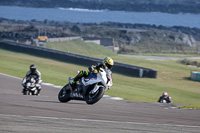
(95, 89)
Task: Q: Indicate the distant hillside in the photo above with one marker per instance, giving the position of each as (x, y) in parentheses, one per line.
(130, 38)
(170, 6)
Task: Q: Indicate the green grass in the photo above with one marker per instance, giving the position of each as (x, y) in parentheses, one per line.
(190, 107)
(17, 64)
(172, 76)
(81, 47)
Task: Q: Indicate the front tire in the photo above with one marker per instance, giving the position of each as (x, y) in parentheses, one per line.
(93, 98)
(25, 92)
(64, 94)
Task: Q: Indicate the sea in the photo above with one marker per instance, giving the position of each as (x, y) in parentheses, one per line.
(77, 15)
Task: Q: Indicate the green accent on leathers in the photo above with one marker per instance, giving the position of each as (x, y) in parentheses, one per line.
(79, 76)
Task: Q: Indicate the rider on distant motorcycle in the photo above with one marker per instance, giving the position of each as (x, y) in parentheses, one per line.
(106, 64)
(37, 76)
(165, 98)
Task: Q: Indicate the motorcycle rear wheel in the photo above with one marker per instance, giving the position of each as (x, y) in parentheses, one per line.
(64, 95)
(93, 98)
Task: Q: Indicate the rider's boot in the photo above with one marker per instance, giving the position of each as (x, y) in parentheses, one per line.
(73, 84)
(77, 78)
(38, 92)
(74, 80)
(38, 87)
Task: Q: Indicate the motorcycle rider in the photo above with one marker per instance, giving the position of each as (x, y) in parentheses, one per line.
(165, 98)
(37, 76)
(107, 63)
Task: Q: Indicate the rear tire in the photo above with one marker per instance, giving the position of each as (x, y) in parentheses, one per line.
(93, 98)
(64, 94)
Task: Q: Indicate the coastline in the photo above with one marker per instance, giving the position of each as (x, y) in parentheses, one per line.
(174, 7)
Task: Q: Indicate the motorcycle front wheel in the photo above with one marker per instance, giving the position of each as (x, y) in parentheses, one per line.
(64, 94)
(25, 92)
(93, 98)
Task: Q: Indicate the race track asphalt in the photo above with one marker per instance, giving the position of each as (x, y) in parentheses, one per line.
(44, 113)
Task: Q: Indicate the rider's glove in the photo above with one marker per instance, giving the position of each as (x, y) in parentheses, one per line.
(95, 71)
(91, 69)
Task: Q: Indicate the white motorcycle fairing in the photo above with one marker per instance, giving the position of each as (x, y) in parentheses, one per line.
(96, 78)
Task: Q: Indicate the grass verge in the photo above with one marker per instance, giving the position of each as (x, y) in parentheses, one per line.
(190, 107)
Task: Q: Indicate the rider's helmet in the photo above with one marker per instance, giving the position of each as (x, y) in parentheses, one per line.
(165, 94)
(32, 68)
(108, 62)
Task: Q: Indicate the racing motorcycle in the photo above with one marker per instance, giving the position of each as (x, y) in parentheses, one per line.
(90, 89)
(29, 86)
